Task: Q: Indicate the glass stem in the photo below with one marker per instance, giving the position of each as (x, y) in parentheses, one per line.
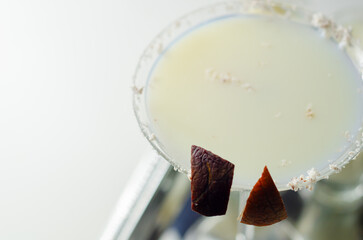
(244, 231)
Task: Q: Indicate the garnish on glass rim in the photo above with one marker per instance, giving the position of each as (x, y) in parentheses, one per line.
(211, 181)
(264, 205)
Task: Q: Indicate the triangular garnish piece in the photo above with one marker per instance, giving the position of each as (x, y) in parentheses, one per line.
(264, 205)
(211, 181)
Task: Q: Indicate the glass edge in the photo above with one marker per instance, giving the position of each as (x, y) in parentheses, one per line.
(301, 14)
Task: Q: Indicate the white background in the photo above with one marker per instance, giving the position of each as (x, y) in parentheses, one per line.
(68, 137)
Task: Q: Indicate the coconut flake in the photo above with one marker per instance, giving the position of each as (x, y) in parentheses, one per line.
(335, 168)
(330, 29)
(306, 182)
(212, 74)
(137, 90)
(309, 111)
(248, 87)
(152, 137)
(313, 174)
(321, 21)
(296, 183)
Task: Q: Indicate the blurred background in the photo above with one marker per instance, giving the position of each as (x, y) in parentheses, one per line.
(69, 141)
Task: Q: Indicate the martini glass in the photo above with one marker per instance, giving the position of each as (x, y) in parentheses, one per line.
(192, 20)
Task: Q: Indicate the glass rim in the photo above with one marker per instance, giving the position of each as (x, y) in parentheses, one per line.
(182, 24)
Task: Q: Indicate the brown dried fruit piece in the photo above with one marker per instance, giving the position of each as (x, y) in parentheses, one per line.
(211, 182)
(264, 205)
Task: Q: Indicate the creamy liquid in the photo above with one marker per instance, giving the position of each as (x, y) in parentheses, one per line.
(256, 91)
(357, 29)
